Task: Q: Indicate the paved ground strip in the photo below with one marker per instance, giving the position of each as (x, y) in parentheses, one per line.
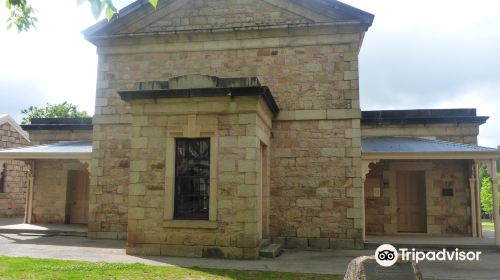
(328, 261)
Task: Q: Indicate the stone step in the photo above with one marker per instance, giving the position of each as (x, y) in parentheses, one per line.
(265, 242)
(43, 232)
(270, 251)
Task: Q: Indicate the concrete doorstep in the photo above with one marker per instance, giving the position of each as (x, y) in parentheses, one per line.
(17, 226)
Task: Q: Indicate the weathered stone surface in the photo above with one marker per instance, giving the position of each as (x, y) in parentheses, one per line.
(356, 270)
(446, 216)
(14, 173)
(313, 78)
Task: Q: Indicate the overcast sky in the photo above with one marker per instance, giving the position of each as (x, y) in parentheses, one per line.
(417, 54)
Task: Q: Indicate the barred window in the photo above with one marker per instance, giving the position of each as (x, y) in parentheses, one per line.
(192, 179)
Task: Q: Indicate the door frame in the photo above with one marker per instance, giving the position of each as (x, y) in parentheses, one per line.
(390, 226)
(423, 207)
(67, 218)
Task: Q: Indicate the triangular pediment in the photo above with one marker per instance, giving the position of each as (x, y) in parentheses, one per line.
(193, 15)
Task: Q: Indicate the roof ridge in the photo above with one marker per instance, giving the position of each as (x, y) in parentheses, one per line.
(6, 118)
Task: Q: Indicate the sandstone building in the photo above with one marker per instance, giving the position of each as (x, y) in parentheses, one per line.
(13, 173)
(223, 125)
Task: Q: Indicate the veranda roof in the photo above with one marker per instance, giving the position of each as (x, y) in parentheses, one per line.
(422, 148)
(60, 150)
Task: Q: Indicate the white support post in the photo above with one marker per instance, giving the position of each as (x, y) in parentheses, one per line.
(28, 210)
(472, 184)
(496, 214)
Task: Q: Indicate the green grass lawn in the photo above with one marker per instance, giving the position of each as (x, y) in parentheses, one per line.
(488, 225)
(28, 268)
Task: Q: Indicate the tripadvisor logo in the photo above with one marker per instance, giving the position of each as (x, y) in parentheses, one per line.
(387, 255)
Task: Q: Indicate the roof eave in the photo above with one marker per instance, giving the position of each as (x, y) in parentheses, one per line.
(25, 156)
(432, 155)
(364, 16)
(91, 33)
(95, 37)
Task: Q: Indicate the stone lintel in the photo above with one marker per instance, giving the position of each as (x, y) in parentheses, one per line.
(231, 92)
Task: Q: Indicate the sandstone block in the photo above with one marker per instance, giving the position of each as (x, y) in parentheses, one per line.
(181, 251)
(319, 243)
(302, 202)
(354, 213)
(308, 231)
(247, 191)
(247, 166)
(296, 243)
(247, 240)
(227, 165)
(136, 213)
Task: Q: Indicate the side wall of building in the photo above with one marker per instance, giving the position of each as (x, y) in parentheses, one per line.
(446, 215)
(12, 200)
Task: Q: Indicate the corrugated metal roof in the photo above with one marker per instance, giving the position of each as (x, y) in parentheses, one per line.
(63, 150)
(417, 145)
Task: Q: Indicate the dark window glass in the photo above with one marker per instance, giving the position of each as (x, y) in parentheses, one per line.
(192, 179)
(3, 174)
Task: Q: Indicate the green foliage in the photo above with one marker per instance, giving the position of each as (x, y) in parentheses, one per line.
(487, 225)
(483, 171)
(487, 195)
(63, 110)
(22, 14)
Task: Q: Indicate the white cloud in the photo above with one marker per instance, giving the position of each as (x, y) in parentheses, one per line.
(433, 54)
(52, 63)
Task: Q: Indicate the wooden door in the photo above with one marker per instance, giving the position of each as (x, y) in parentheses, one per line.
(412, 214)
(78, 197)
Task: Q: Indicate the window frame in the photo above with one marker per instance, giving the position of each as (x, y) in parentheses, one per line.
(179, 212)
(170, 186)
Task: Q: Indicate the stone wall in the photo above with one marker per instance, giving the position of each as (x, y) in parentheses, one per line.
(316, 88)
(446, 215)
(234, 228)
(39, 137)
(461, 133)
(50, 189)
(310, 64)
(12, 200)
(109, 181)
(315, 184)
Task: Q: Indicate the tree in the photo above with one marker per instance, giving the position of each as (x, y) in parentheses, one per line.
(63, 110)
(22, 14)
(487, 195)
